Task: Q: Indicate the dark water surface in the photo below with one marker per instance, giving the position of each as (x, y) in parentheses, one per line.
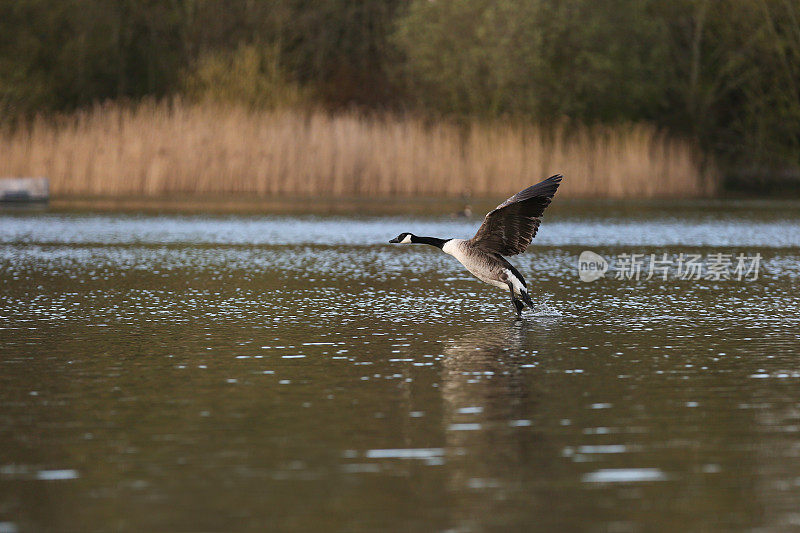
(227, 373)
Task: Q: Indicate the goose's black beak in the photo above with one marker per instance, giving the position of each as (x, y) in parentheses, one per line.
(394, 241)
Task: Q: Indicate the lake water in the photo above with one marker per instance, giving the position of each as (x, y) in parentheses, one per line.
(298, 373)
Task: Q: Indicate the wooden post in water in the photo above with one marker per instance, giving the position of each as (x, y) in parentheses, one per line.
(24, 190)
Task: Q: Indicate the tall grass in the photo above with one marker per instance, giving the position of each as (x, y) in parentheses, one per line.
(170, 148)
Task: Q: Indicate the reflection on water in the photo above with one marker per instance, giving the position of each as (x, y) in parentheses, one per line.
(486, 403)
(295, 373)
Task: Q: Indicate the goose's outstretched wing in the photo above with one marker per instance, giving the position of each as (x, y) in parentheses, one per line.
(512, 225)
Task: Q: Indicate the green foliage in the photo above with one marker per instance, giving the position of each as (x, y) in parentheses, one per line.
(249, 75)
(339, 47)
(60, 55)
(734, 84)
(543, 60)
(724, 72)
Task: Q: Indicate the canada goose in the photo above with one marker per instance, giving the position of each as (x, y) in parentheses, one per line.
(506, 230)
(464, 213)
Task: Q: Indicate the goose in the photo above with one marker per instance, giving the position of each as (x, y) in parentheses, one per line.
(508, 229)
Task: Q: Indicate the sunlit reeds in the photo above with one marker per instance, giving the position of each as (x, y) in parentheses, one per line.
(173, 148)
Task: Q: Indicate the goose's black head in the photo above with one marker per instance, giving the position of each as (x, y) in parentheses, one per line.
(403, 238)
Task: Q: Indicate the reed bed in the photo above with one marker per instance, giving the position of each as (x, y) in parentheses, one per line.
(168, 148)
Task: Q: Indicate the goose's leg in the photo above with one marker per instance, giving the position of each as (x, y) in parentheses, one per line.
(527, 299)
(518, 306)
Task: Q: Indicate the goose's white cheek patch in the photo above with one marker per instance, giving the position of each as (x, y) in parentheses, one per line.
(406, 240)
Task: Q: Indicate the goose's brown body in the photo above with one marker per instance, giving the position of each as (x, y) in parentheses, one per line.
(489, 268)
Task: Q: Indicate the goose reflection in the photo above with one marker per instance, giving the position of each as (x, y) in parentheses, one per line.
(490, 431)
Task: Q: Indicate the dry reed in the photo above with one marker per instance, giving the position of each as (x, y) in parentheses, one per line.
(175, 148)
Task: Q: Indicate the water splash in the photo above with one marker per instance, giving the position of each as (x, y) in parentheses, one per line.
(545, 308)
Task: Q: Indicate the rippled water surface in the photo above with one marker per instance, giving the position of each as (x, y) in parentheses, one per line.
(215, 373)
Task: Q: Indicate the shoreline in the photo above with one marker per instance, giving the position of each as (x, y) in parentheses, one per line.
(385, 205)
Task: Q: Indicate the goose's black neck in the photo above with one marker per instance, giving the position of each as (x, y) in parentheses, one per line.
(433, 241)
